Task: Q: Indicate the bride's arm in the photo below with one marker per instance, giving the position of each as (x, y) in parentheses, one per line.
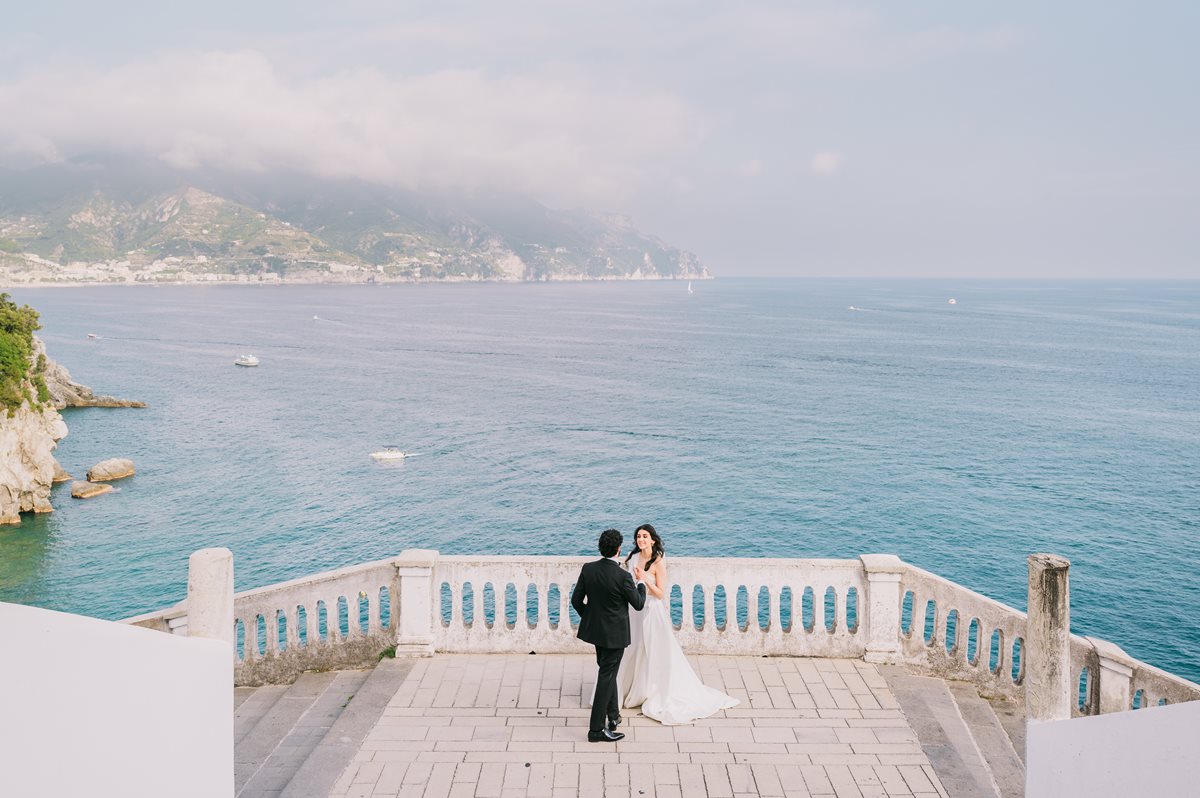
(659, 569)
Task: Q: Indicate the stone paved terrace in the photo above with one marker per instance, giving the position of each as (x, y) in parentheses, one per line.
(513, 725)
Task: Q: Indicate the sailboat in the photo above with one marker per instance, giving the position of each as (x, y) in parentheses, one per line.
(690, 291)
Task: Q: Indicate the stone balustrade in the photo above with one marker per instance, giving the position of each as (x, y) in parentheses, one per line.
(876, 607)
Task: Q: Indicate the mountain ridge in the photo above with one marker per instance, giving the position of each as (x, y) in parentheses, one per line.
(82, 222)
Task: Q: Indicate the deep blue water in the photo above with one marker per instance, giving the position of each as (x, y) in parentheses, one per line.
(754, 418)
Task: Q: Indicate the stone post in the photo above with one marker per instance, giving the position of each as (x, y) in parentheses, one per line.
(1116, 676)
(882, 615)
(1048, 640)
(414, 602)
(210, 595)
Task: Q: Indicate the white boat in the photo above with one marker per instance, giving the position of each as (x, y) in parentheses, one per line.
(92, 336)
(246, 360)
(953, 301)
(690, 291)
(389, 453)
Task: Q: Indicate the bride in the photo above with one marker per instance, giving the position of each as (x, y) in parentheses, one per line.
(654, 672)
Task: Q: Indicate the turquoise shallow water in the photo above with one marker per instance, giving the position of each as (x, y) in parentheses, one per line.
(756, 418)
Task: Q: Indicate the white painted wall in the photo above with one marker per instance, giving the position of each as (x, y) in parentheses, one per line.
(1145, 752)
(89, 707)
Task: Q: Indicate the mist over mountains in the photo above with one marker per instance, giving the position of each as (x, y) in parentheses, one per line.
(102, 219)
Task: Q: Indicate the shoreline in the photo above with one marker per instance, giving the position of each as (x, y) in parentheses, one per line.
(9, 285)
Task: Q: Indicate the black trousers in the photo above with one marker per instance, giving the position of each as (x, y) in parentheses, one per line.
(604, 703)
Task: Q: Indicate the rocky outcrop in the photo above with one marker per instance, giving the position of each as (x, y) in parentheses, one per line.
(65, 392)
(30, 432)
(27, 466)
(86, 490)
(107, 470)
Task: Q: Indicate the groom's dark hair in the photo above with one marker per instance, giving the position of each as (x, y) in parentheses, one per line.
(610, 543)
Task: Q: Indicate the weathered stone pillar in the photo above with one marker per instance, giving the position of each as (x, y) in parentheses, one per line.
(882, 616)
(1048, 640)
(1116, 676)
(210, 595)
(414, 602)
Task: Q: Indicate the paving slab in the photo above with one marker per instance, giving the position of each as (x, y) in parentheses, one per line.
(440, 733)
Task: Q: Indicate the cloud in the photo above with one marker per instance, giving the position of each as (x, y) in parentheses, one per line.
(560, 136)
(825, 163)
(751, 168)
(836, 38)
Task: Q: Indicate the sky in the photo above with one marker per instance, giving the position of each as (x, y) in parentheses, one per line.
(920, 139)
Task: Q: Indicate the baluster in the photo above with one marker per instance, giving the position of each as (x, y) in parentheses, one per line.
(456, 604)
(752, 593)
(374, 612)
(293, 628)
(309, 625)
(687, 624)
(564, 597)
(271, 619)
(775, 616)
(818, 610)
(543, 594)
(710, 609)
(522, 623)
(333, 623)
(248, 651)
(353, 631)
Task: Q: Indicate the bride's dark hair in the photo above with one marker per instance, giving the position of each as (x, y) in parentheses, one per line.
(656, 546)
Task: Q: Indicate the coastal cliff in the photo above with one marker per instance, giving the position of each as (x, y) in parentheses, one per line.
(32, 390)
(28, 437)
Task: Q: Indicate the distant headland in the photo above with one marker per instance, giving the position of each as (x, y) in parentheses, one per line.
(122, 223)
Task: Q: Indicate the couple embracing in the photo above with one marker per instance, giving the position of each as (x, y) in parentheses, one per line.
(623, 604)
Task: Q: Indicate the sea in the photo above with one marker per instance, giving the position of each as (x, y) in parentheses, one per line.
(750, 418)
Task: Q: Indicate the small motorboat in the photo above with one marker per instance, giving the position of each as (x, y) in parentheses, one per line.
(246, 360)
(953, 301)
(93, 336)
(389, 453)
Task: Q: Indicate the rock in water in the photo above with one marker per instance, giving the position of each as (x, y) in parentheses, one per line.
(86, 490)
(115, 468)
(60, 474)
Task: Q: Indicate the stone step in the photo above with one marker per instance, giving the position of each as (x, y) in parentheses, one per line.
(1012, 717)
(322, 768)
(942, 732)
(1008, 771)
(291, 752)
(252, 750)
(253, 707)
(240, 694)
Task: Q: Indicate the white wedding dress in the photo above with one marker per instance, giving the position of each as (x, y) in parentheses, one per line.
(656, 675)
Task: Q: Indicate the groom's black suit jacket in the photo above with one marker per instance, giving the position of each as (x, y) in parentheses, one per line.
(610, 591)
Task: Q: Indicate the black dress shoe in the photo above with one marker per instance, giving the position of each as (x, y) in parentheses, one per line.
(613, 723)
(604, 736)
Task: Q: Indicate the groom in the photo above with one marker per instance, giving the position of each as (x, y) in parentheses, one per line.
(609, 591)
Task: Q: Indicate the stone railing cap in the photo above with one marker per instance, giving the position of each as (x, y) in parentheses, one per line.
(417, 558)
(219, 553)
(1050, 560)
(1110, 650)
(881, 563)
